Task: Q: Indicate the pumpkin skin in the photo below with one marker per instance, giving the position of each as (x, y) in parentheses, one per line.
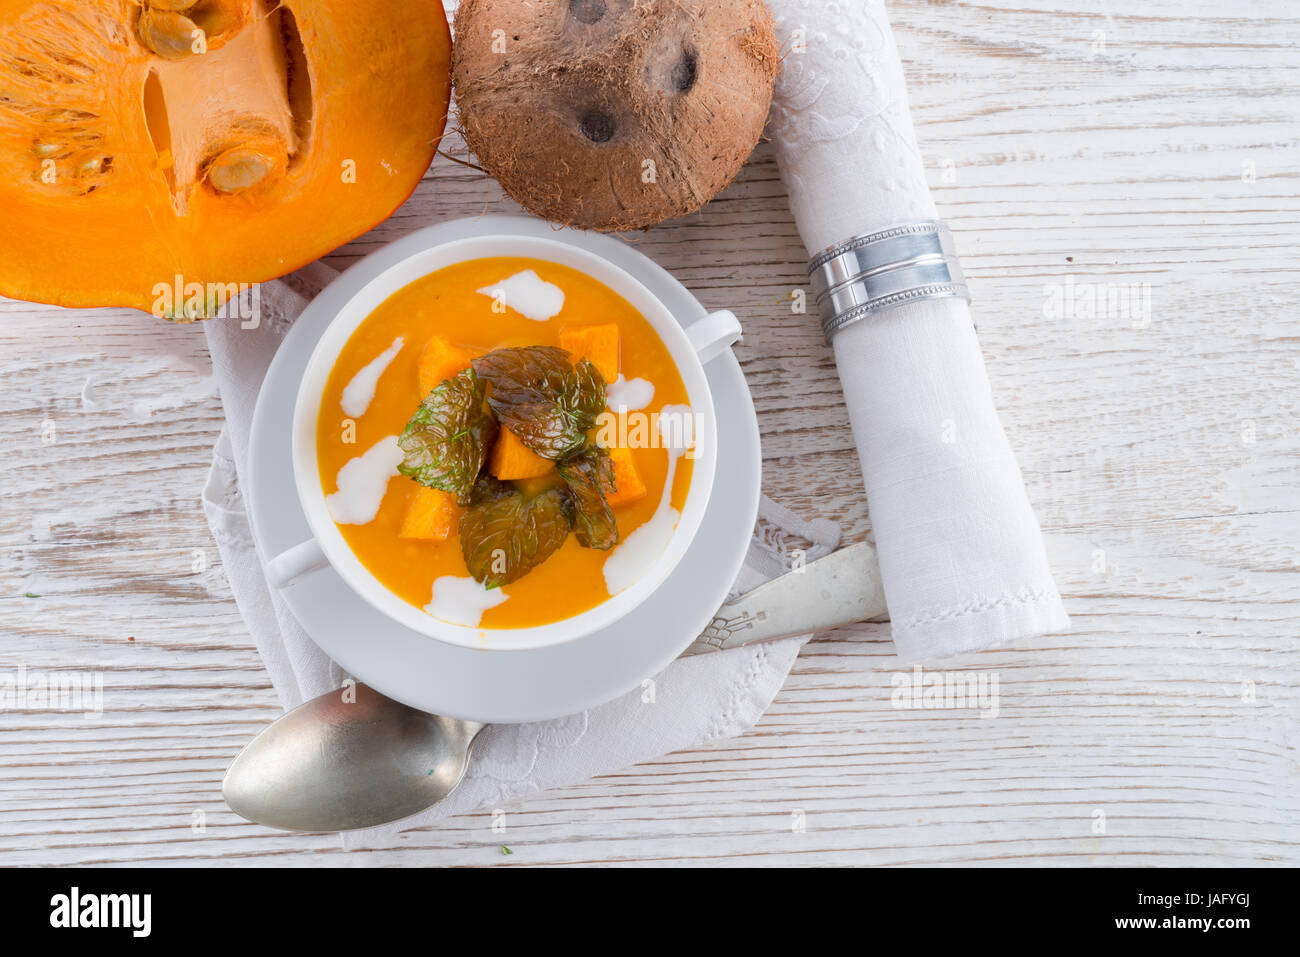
(301, 125)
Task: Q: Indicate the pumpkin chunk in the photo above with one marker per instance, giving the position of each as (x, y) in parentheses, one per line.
(430, 516)
(511, 459)
(439, 361)
(628, 486)
(597, 344)
(204, 145)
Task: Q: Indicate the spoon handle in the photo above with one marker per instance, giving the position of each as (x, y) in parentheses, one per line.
(841, 588)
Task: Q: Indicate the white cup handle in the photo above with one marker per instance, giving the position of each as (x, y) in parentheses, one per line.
(714, 334)
(287, 567)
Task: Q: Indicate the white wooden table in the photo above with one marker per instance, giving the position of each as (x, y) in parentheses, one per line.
(1154, 142)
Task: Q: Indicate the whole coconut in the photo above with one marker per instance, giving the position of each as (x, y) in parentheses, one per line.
(613, 114)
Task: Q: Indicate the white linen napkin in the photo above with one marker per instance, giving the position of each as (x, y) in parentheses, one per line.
(961, 555)
(696, 699)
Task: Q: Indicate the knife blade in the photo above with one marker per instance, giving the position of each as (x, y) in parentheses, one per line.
(841, 588)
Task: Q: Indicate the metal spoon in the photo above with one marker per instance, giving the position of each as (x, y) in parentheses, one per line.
(350, 758)
(353, 758)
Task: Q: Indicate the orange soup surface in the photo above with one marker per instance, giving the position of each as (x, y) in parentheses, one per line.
(449, 305)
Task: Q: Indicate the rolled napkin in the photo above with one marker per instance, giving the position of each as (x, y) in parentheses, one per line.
(696, 699)
(961, 554)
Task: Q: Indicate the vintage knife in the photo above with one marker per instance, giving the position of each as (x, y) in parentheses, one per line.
(841, 588)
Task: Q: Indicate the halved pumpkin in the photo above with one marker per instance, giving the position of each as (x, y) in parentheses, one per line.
(145, 143)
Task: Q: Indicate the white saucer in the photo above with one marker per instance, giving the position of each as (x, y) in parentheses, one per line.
(506, 686)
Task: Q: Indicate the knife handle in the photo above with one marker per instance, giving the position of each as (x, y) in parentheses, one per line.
(841, 588)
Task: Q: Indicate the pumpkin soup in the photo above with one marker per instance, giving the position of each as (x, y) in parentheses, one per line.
(503, 443)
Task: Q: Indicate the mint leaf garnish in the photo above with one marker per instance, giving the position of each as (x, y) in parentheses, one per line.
(447, 439)
(589, 476)
(541, 396)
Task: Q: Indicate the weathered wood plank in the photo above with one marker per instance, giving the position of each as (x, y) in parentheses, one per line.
(1161, 458)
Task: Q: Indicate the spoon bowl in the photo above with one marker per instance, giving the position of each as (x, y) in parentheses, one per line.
(351, 758)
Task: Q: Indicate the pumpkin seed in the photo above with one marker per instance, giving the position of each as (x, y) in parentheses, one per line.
(170, 35)
(54, 117)
(47, 150)
(94, 165)
(238, 169)
(176, 6)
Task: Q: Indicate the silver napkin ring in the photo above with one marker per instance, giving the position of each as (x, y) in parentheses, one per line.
(868, 274)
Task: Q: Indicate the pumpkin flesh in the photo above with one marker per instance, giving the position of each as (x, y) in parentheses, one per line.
(297, 127)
